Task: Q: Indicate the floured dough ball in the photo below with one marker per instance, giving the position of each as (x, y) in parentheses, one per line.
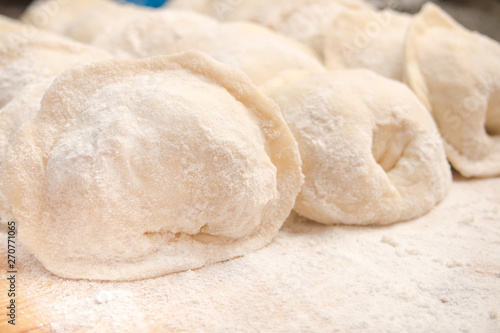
(153, 33)
(303, 20)
(456, 73)
(7, 24)
(201, 6)
(59, 16)
(366, 39)
(371, 152)
(79, 19)
(29, 56)
(258, 51)
(283, 79)
(13, 114)
(29, 61)
(310, 23)
(137, 168)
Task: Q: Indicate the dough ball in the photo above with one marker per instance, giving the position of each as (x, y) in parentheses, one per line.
(29, 60)
(366, 39)
(456, 73)
(78, 19)
(13, 114)
(58, 16)
(153, 33)
(303, 20)
(201, 6)
(310, 23)
(29, 56)
(283, 79)
(371, 152)
(139, 168)
(258, 51)
(7, 24)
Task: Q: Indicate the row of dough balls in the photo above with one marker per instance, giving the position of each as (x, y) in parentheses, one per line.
(252, 63)
(107, 185)
(105, 188)
(159, 192)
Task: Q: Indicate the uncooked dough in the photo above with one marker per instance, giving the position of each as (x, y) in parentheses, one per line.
(201, 6)
(13, 114)
(81, 20)
(368, 39)
(310, 23)
(456, 73)
(261, 53)
(138, 168)
(29, 60)
(371, 152)
(28, 55)
(150, 34)
(7, 24)
(303, 20)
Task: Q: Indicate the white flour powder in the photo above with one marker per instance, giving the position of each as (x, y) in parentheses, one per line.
(438, 273)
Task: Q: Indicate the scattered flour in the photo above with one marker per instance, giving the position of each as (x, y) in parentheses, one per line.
(432, 274)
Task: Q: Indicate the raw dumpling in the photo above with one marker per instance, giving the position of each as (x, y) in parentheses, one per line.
(79, 19)
(29, 60)
(150, 34)
(139, 168)
(283, 79)
(13, 114)
(366, 39)
(456, 73)
(303, 20)
(310, 23)
(371, 152)
(258, 51)
(201, 6)
(30, 55)
(8, 24)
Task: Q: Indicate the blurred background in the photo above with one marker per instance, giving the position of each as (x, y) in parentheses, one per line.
(478, 15)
